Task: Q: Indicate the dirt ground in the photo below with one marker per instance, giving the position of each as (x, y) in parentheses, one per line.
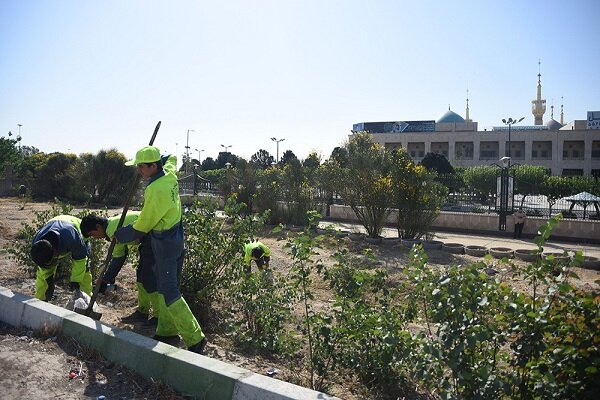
(39, 367)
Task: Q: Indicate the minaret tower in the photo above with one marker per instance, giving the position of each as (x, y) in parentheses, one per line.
(467, 119)
(562, 112)
(538, 106)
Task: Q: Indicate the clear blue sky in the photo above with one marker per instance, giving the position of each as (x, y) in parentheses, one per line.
(82, 76)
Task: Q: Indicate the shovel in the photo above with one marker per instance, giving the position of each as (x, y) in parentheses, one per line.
(89, 312)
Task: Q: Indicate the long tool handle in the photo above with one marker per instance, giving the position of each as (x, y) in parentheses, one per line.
(113, 241)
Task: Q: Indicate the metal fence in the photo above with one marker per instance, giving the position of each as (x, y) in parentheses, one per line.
(194, 184)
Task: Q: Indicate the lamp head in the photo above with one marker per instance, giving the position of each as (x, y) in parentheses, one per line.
(273, 139)
(505, 162)
(522, 118)
(503, 120)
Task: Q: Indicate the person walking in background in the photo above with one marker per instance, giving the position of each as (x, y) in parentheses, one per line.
(520, 218)
(59, 238)
(147, 293)
(160, 219)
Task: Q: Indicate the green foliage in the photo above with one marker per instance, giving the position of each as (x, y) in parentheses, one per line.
(415, 194)
(438, 163)
(481, 179)
(267, 194)
(241, 182)
(104, 177)
(286, 157)
(297, 193)
(54, 176)
(529, 180)
(302, 250)
(366, 332)
(365, 183)
(266, 307)
(214, 250)
(492, 341)
(262, 158)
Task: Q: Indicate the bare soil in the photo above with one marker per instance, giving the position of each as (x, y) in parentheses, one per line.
(39, 367)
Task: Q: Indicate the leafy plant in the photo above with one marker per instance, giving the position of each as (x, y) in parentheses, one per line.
(214, 250)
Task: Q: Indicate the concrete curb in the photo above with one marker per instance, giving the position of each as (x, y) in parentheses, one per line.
(186, 372)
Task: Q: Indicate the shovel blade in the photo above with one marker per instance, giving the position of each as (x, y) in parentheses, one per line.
(88, 312)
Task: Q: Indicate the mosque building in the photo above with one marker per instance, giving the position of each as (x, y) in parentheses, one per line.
(566, 149)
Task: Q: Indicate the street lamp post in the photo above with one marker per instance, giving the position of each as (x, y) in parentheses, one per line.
(19, 136)
(510, 122)
(227, 164)
(277, 141)
(199, 151)
(187, 150)
(504, 200)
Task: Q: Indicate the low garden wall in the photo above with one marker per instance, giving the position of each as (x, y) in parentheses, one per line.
(587, 231)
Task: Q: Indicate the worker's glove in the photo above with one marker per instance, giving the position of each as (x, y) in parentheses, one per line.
(127, 234)
(73, 286)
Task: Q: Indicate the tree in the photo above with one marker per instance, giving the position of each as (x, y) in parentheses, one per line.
(416, 195)
(54, 176)
(481, 180)
(209, 164)
(340, 154)
(328, 174)
(105, 177)
(555, 188)
(241, 183)
(528, 179)
(224, 158)
(10, 153)
(297, 193)
(438, 163)
(310, 165)
(287, 156)
(365, 183)
(262, 159)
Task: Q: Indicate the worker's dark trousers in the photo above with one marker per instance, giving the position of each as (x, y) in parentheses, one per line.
(518, 230)
(145, 270)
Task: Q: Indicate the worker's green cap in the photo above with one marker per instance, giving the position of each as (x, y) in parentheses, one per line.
(148, 154)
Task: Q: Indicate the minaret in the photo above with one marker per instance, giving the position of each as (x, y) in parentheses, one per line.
(552, 110)
(562, 112)
(467, 119)
(538, 106)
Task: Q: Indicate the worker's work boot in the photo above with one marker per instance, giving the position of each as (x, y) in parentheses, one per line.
(136, 316)
(198, 347)
(172, 340)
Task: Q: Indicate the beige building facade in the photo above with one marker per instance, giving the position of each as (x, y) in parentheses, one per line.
(566, 149)
(571, 150)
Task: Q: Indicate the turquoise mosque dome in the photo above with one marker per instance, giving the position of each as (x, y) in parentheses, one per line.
(450, 116)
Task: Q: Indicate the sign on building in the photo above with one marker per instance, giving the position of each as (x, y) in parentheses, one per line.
(593, 120)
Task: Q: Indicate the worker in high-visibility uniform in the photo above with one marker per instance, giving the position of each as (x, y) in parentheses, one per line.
(59, 238)
(160, 219)
(148, 298)
(258, 252)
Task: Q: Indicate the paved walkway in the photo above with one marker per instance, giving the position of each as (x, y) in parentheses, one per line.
(481, 240)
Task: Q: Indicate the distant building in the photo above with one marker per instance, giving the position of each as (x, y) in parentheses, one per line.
(566, 149)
